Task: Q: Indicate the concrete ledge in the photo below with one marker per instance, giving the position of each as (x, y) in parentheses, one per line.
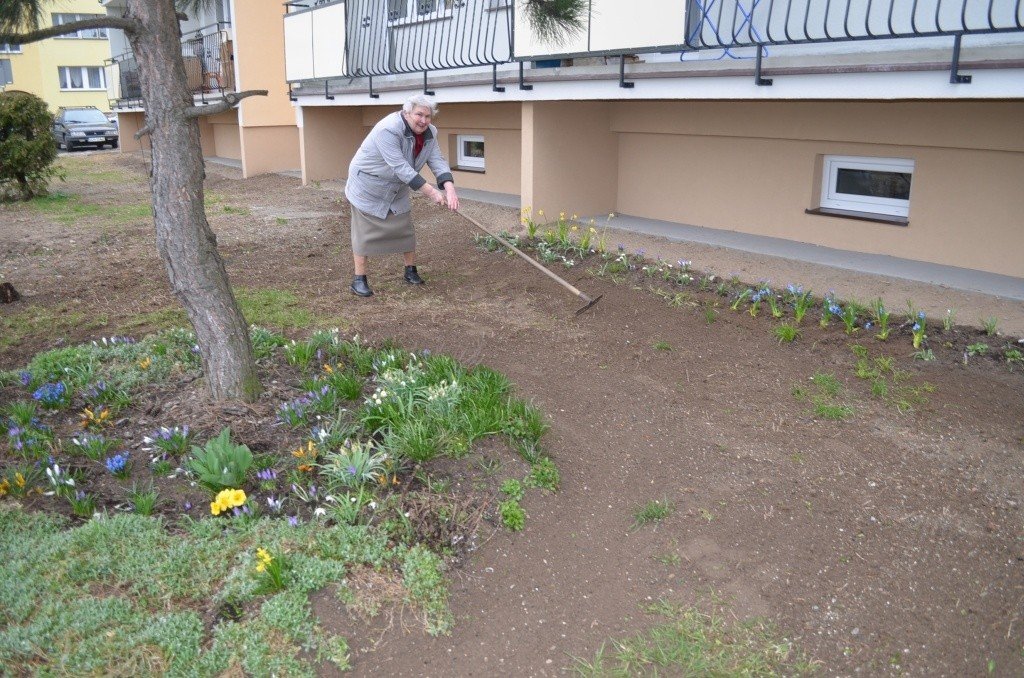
(1005, 286)
(229, 162)
(490, 197)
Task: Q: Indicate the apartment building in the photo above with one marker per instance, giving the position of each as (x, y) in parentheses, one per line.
(892, 127)
(63, 71)
(227, 47)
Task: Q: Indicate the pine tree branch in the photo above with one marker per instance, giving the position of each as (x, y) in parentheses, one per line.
(126, 25)
(231, 99)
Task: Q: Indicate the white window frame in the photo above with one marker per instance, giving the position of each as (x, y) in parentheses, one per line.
(6, 73)
(61, 18)
(833, 199)
(464, 161)
(8, 48)
(64, 72)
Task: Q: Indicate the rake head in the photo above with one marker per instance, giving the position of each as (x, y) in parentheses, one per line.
(589, 304)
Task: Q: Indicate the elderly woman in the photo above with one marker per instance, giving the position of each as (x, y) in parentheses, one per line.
(381, 177)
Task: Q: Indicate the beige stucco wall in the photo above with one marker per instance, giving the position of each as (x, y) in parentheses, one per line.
(227, 140)
(267, 139)
(331, 135)
(269, 149)
(206, 138)
(570, 157)
(259, 46)
(753, 167)
(500, 126)
(328, 139)
(127, 125)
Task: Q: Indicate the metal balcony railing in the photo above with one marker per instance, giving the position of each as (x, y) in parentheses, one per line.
(383, 37)
(424, 35)
(327, 39)
(209, 67)
(717, 24)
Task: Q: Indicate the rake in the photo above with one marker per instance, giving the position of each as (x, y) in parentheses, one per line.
(588, 301)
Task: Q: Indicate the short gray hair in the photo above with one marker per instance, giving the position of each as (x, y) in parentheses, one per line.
(419, 100)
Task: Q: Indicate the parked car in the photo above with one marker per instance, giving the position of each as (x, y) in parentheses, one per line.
(77, 126)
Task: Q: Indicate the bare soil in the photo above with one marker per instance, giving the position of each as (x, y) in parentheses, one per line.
(886, 543)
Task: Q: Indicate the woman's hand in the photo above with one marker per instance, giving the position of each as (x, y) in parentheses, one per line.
(433, 194)
(451, 196)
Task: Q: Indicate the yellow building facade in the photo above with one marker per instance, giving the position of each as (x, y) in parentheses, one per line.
(65, 71)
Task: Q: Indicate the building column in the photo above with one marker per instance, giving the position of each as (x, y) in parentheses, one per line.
(328, 138)
(570, 157)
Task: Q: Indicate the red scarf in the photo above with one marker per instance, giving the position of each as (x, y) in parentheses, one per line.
(417, 145)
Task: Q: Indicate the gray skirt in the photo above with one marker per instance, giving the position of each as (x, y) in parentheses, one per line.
(372, 236)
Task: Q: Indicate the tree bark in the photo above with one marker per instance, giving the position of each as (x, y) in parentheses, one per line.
(187, 245)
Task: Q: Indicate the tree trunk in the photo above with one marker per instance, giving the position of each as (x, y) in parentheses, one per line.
(183, 237)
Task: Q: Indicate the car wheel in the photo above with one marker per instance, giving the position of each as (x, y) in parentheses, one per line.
(68, 146)
(113, 145)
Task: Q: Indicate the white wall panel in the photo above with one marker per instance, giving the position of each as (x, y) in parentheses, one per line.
(528, 44)
(641, 23)
(298, 46)
(329, 41)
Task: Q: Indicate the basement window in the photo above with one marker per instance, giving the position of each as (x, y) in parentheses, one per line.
(867, 186)
(470, 153)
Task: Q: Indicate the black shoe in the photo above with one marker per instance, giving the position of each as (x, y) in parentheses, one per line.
(412, 277)
(360, 286)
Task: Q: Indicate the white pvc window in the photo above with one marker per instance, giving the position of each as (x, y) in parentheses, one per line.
(470, 151)
(81, 77)
(870, 185)
(89, 33)
(6, 74)
(7, 48)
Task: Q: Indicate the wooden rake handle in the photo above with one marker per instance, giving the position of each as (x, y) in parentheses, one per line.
(580, 295)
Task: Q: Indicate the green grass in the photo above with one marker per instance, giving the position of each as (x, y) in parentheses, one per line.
(49, 321)
(87, 169)
(689, 642)
(161, 319)
(888, 382)
(279, 309)
(121, 594)
(662, 346)
(269, 307)
(654, 511)
(70, 208)
(786, 333)
(824, 395)
(215, 202)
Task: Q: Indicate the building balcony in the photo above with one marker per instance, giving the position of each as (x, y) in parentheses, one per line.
(209, 68)
(333, 45)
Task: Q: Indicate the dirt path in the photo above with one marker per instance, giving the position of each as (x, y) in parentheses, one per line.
(883, 543)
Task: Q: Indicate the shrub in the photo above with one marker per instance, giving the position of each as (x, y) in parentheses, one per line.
(27, 150)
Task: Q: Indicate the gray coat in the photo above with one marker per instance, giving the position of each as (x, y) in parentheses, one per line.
(383, 172)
